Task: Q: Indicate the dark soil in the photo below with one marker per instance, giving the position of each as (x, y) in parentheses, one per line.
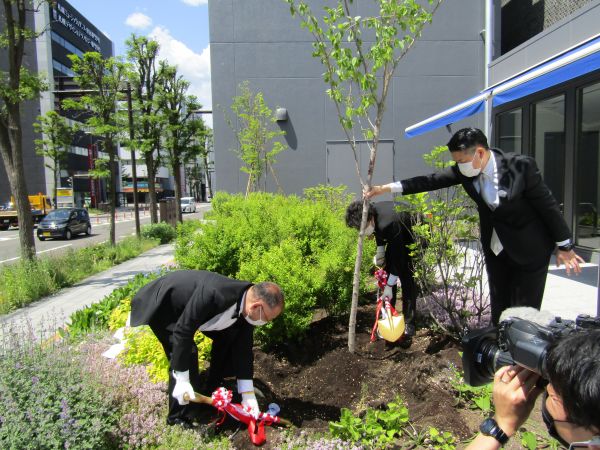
(312, 381)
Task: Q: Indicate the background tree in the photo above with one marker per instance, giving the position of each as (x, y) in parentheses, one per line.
(206, 164)
(358, 73)
(257, 147)
(103, 79)
(58, 136)
(184, 129)
(148, 124)
(17, 85)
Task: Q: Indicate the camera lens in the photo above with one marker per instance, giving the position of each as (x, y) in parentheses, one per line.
(492, 358)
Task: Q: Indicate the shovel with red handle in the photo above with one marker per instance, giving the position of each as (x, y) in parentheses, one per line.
(221, 399)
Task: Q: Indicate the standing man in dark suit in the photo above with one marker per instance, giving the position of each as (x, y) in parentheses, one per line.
(520, 221)
(392, 231)
(178, 304)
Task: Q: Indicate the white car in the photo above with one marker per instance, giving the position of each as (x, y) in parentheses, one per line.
(188, 204)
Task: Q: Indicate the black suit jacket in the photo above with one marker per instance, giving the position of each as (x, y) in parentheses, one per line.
(183, 300)
(392, 229)
(528, 220)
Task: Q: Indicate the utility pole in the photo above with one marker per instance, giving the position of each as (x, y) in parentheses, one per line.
(133, 163)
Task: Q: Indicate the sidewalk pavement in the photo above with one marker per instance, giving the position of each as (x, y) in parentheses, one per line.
(564, 296)
(52, 312)
(567, 296)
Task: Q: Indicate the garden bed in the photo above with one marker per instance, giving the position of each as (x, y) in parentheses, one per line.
(314, 380)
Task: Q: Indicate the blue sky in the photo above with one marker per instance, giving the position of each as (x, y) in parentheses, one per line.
(179, 26)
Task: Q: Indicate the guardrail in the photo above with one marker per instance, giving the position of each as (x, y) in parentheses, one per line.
(119, 215)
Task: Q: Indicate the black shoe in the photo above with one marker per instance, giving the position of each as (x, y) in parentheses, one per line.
(409, 330)
(200, 413)
(405, 341)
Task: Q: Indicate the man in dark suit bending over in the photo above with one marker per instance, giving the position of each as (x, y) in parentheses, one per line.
(520, 221)
(178, 304)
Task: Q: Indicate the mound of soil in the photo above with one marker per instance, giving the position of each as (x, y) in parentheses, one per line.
(313, 380)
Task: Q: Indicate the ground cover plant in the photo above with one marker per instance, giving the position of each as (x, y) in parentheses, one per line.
(26, 281)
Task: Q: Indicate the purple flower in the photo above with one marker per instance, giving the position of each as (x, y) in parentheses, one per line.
(35, 380)
(64, 413)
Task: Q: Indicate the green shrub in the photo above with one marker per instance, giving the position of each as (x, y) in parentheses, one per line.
(48, 403)
(27, 281)
(162, 231)
(301, 244)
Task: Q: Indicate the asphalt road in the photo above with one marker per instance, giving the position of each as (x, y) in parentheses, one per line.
(9, 240)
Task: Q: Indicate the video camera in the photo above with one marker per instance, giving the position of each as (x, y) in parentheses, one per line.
(515, 341)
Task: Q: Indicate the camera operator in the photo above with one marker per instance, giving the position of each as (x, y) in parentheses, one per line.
(571, 401)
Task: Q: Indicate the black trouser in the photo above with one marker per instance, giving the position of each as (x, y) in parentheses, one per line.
(513, 284)
(223, 363)
(165, 335)
(408, 284)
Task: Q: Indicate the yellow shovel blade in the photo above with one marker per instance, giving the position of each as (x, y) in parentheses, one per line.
(391, 328)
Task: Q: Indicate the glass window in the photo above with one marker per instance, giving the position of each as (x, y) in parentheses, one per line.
(587, 164)
(549, 143)
(510, 131)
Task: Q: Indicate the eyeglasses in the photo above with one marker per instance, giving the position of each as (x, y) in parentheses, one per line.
(592, 443)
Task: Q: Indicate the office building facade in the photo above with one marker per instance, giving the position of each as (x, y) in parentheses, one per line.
(63, 31)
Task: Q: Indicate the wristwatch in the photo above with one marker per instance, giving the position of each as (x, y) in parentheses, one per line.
(489, 427)
(567, 247)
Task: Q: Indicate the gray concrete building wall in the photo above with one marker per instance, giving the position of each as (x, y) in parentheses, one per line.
(258, 41)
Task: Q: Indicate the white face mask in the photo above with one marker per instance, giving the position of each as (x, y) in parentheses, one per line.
(256, 323)
(369, 230)
(468, 170)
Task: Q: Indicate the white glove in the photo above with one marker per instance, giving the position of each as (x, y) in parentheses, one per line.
(249, 402)
(182, 387)
(388, 292)
(379, 258)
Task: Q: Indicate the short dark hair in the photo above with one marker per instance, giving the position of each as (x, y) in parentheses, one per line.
(467, 139)
(270, 293)
(573, 368)
(354, 213)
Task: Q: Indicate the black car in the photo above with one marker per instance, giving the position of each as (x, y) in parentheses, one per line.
(64, 223)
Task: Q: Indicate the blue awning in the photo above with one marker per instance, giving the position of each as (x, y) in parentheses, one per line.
(580, 60)
(467, 108)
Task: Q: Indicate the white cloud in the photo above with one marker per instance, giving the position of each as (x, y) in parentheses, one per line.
(194, 67)
(195, 2)
(138, 20)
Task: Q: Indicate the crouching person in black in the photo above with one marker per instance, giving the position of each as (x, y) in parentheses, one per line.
(392, 231)
(178, 304)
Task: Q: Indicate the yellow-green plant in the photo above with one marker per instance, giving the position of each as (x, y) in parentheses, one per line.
(142, 347)
(118, 316)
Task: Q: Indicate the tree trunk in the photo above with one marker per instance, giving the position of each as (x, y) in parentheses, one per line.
(149, 157)
(177, 175)
(56, 186)
(356, 280)
(12, 154)
(113, 190)
(207, 175)
(361, 238)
